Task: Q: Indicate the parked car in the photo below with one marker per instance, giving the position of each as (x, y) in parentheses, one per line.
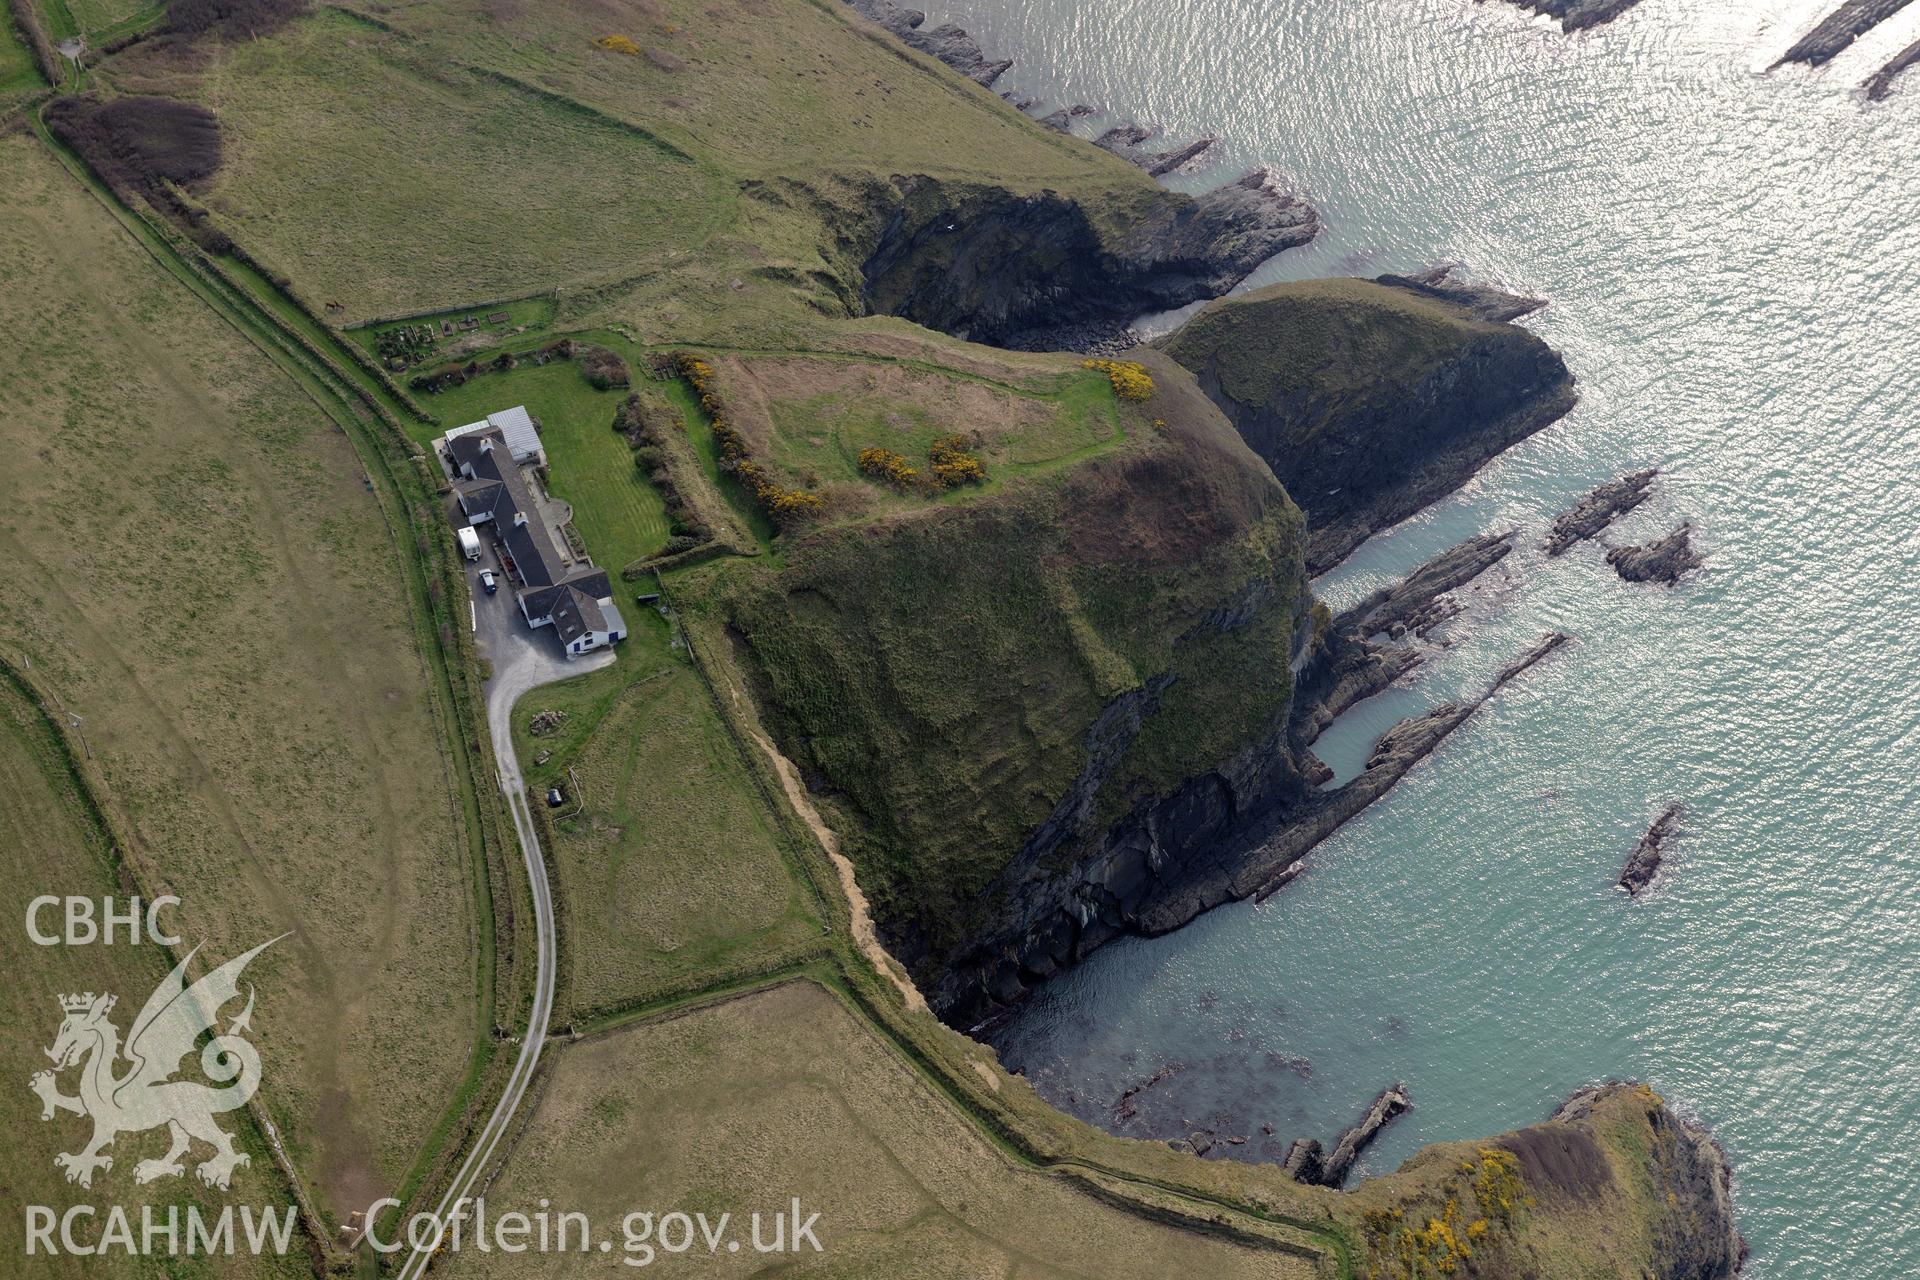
(555, 798)
(488, 581)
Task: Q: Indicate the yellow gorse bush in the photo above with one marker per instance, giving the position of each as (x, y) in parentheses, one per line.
(889, 466)
(619, 44)
(778, 501)
(1130, 381)
(952, 464)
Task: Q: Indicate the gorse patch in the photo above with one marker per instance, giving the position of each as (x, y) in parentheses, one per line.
(889, 466)
(949, 465)
(783, 504)
(1131, 381)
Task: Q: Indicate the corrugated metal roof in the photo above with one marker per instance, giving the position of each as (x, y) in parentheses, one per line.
(516, 424)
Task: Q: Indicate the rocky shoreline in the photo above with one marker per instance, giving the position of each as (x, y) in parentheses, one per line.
(1239, 832)
(1698, 1237)
(948, 43)
(1036, 272)
(1040, 272)
(1032, 271)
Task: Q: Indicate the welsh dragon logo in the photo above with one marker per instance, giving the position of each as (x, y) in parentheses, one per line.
(145, 1095)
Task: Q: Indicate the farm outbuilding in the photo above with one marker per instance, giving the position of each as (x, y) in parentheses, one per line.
(515, 426)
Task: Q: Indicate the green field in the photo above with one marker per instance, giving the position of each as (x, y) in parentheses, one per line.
(671, 870)
(98, 18)
(738, 1107)
(51, 843)
(196, 568)
(17, 72)
(432, 157)
(383, 178)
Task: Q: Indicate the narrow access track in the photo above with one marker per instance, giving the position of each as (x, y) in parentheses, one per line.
(524, 665)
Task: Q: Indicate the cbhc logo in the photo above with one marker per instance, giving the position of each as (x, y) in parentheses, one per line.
(84, 926)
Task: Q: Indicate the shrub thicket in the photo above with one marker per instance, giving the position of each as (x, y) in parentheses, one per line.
(643, 426)
(147, 147)
(26, 16)
(603, 368)
(786, 506)
(232, 19)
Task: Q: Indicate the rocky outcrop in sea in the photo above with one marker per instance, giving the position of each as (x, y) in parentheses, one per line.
(1644, 863)
(947, 42)
(1663, 560)
(1599, 509)
(1130, 142)
(1489, 302)
(1577, 15)
(1880, 84)
(1306, 1163)
(1840, 29)
(1422, 600)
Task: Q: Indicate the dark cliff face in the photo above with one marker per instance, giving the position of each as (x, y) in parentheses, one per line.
(1064, 895)
(1369, 401)
(1044, 271)
(1032, 715)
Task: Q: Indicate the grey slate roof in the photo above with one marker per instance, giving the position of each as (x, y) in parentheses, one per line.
(551, 585)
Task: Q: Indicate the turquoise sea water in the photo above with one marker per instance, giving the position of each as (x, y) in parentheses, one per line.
(1733, 259)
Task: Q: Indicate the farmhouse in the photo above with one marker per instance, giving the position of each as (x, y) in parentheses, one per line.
(575, 599)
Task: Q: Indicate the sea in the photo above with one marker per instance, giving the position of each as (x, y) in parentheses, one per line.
(1731, 255)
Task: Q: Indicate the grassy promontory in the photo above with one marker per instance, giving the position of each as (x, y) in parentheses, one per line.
(985, 689)
(1370, 401)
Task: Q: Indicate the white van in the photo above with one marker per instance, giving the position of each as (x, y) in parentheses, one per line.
(469, 543)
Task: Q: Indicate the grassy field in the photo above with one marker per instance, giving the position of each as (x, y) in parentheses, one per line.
(615, 509)
(384, 178)
(17, 72)
(195, 567)
(738, 1107)
(436, 156)
(96, 16)
(671, 871)
(810, 416)
(50, 843)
